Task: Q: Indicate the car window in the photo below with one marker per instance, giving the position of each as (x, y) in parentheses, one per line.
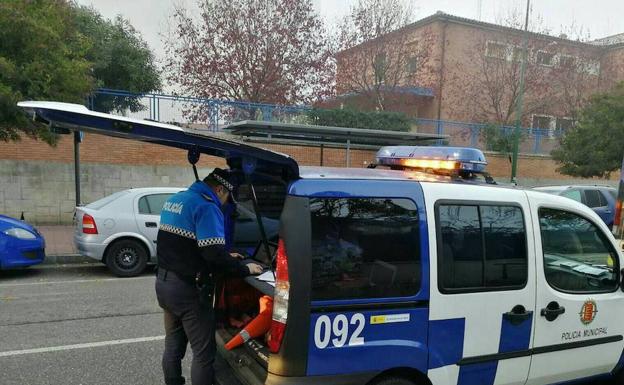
(578, 257)
(152, 204)
(573, 194)
(364, 248)
(106, 200)
(593, 198)
(603, 198)
(481, 247)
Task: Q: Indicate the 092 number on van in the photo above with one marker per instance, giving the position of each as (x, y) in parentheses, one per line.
(340, 331)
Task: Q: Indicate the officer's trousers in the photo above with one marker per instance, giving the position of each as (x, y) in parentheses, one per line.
(186, 320)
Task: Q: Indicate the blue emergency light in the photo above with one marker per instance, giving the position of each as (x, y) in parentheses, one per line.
(437, 159)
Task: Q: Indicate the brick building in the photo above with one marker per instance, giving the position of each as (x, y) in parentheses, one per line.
(452, 68)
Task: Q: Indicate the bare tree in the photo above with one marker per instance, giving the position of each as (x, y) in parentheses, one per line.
(272, 51)
(555, 81)
(377, 55)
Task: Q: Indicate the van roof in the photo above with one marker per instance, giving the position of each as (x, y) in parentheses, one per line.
(315, 172)
(307, 172)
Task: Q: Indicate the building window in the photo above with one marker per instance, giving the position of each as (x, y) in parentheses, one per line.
(516, 53)
(412, 64)
(496, 50)
(591, 67)
(541, 122)
(578, 256)
(481, 247)
(567, 61)
(364, 248)
(545, 58)
(564, 124)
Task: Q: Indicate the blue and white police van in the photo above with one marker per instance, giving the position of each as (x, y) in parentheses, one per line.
(418, 271)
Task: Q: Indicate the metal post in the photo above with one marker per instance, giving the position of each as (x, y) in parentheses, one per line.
(322, 148)
(348, 152)
(525, 44)
(77, 165)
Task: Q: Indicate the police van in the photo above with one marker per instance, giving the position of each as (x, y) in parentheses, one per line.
(418, 271)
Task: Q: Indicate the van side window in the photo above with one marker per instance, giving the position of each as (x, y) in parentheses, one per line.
(481, 247)
(364, 248)
(578, 256)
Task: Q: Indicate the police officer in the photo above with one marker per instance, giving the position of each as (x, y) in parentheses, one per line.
(191, 253)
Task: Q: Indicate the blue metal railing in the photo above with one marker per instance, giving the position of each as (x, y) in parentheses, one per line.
(216, 113)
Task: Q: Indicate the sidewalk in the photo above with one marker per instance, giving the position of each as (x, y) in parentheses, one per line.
(60, 245)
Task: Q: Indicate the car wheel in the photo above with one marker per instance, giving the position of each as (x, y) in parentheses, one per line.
(126, 258)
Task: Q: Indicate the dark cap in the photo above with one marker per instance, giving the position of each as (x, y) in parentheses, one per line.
(222, 177)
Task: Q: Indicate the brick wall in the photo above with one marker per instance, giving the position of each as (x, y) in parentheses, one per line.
(39, 180)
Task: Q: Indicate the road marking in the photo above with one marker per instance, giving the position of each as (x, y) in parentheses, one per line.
(11, 353)
(74, 281)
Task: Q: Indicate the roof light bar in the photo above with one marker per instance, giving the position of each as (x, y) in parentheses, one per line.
(445, 160)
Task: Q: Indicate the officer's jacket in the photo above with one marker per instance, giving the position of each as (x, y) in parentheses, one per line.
(191, 237)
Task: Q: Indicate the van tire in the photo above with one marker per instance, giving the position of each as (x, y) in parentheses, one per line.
(394, 381)
(126, 258)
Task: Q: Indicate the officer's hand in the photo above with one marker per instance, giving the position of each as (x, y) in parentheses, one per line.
(254, 268)
(237, 255)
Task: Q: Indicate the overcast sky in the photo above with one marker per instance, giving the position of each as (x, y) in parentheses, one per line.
(600, 18)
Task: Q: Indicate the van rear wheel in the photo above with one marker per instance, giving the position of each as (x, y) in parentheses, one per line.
(126, 258)
(394, 381)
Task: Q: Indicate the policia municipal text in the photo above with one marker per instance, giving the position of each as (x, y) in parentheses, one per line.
(191, 257)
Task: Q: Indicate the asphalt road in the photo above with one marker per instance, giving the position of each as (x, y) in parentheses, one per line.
(79, 325)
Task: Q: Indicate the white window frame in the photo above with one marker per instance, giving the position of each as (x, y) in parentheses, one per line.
(552, 124)
(511, 54)
(563, 117)
(561, 56)
(504, 45)
(552, 63)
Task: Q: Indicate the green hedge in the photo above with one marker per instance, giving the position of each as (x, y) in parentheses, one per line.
(391, 121)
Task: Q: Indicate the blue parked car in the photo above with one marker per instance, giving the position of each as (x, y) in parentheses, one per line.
(21, 245)
(601, 199)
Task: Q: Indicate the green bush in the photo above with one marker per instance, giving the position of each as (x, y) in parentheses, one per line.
(390, 121)
(496, 139)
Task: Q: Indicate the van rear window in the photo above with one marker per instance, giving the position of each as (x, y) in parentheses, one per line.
(364, 248)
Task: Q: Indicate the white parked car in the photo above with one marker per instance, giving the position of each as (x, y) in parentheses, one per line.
(120, 230)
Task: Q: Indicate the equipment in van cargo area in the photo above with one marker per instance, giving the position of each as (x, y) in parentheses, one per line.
(412, 273)
(257, 327)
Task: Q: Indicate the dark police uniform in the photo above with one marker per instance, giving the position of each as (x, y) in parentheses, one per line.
(191, 241)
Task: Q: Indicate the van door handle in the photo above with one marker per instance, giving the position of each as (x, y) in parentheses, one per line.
(150, 224)
(517, 315)
(552, 311)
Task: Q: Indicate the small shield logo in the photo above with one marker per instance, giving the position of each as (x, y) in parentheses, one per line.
(588, 312)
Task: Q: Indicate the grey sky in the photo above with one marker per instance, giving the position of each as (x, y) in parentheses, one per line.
(599, 17)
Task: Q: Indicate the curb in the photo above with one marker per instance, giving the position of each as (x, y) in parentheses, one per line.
(67, 259)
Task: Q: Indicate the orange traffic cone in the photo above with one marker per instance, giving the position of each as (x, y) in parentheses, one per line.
(257, 327)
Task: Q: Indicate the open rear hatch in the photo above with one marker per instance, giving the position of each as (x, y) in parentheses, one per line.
(239, 156)
(270, 171)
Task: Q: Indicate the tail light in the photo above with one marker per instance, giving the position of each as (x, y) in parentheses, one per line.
(280, 301)
(617, 216)
(88, 224)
